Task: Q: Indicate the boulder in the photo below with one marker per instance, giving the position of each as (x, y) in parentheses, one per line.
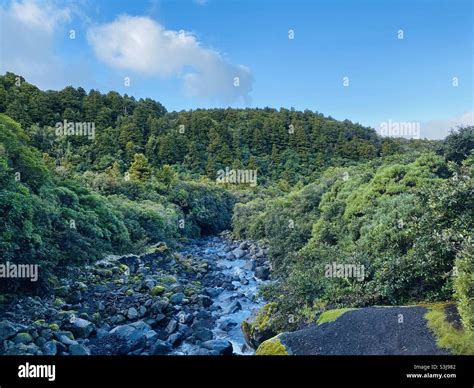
(175, 339)
(262, 272)
(222, 347)
(81, 328)
(160, 348)
(227, 324)
(238, 253)
(132, 313)
(50, 348)
(79, 350)
(203, 334)
(7, 330)
(132, 336)
(171, 327)
(177, 298)
(258, 327)
(233, 308)
(23, 338)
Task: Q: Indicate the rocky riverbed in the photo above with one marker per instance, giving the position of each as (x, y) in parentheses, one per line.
(190, 301)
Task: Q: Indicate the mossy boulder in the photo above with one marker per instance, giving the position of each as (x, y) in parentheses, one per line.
(23, 338)
(54, 327)
(157, 290)
(272, 347)
(58, 302)
(260, 326)
(62, 291)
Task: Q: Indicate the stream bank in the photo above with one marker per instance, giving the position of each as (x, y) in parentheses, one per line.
(188, 302)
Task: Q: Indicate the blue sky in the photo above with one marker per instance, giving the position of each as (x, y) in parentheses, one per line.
(409, 79)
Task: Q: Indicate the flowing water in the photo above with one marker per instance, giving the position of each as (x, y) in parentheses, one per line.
(230, 306)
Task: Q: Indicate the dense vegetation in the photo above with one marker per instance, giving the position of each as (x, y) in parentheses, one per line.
(408, 219)
(328, 192)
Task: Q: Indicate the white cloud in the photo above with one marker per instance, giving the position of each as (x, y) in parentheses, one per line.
(44, 18)
(415, 129)
(439, 129)
(144, 46)
(28, 31)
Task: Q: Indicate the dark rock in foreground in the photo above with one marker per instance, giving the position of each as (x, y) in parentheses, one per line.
(365, 331)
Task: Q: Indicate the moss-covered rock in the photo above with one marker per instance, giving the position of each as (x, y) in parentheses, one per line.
(272, 347)
(58, 302)
(23, 338)
(157, 290)
(332, 315)
(259, 327)
(54, 327)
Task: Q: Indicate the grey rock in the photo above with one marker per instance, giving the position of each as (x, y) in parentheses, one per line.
(50, 348)
(171, 327)
(213, 291)
(81, 328)
(132, 313)
(177, 298)
(7, 330)
(160, 348)
(151, 336)
(205, 301)
(262, 272)
(233, 307)
(79, 350)
(203, 334)
(64, 339)
(244, 245)
(133, 336)
(250, 265)
(227, 324)
(238, 253)
(222, 347)
(175, 339)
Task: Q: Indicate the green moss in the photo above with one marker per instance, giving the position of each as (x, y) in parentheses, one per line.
(96, 317)
(58, 302)
(464, 286)
(54, 326)
(332, 315)
(272, 347)
(263, 317)
(66, 313)
(246, 328)
(23, 338)
(168, 279)
(123, 268)
(458, 341)
(129, 292)
(157, 290)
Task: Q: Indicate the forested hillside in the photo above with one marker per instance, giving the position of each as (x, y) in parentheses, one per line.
(284, 145)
